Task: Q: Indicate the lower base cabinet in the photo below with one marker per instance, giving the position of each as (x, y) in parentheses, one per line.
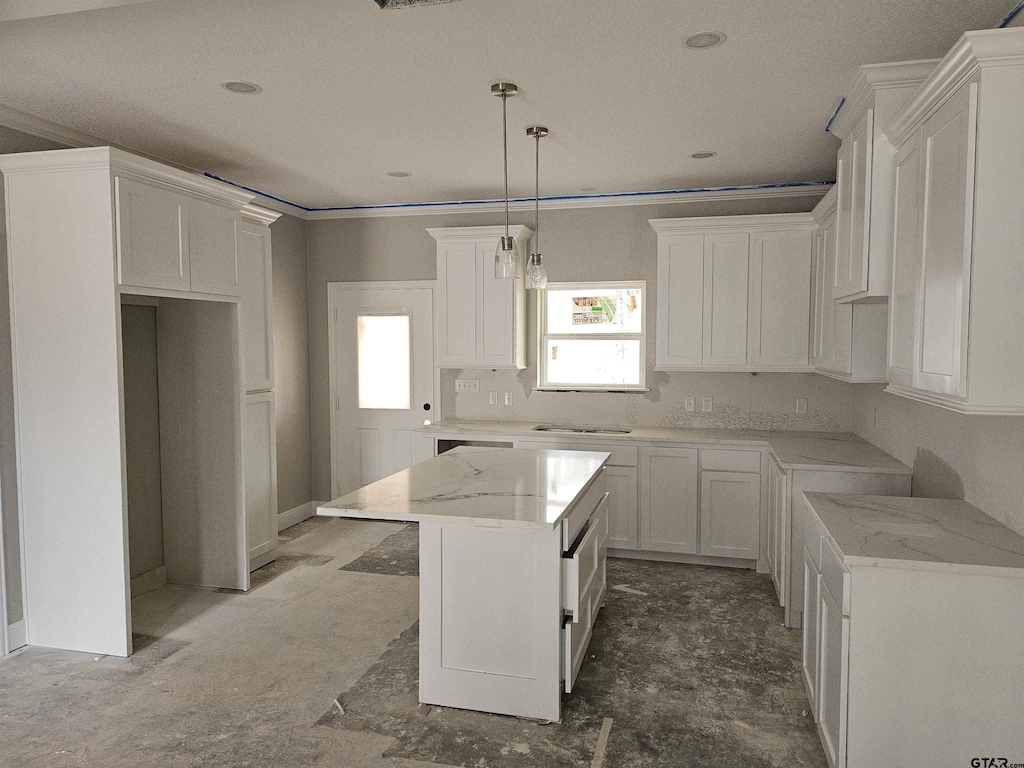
(669, 486)
(730, 504)
(260, 451)
(622, 508)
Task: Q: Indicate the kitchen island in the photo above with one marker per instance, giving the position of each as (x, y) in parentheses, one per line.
(512, 570)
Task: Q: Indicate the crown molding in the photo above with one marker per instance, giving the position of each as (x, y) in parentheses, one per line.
(127, 164)
(517, 231)
(877, 77)
(259, 215)
(826, 206)
(704, 224)
(972, 53)
(44, 129)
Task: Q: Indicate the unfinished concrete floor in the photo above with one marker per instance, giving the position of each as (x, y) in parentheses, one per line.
(696, 672)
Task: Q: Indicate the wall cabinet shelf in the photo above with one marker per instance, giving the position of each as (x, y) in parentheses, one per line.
(480, 320)
(863, 262)
(733, 293)
(956, 320)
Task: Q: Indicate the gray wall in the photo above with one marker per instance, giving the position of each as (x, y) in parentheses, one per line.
(142, 438)
(614, 243)
(291, 363)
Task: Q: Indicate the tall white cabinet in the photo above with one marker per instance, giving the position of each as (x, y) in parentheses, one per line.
(480, 319)
(86, 226)
(957, 319)
(863, 262)
(733, 293)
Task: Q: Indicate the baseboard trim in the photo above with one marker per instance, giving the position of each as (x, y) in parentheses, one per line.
(296, 515)
(147, 582)
(672, 557)
(17, 635)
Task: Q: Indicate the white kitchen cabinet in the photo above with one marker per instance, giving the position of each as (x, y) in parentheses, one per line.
(260, 478)
(730, 507)
(213, 248)
(480, 319)
(848, 341)
(833, 675)
(778, 518)
(734, 293)
(863, 262)
(669, 488)
(622, 507)
(257, 304)
(957, 319)
(152, 250)
(809, 631)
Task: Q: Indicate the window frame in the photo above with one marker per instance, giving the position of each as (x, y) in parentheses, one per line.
(543, 336)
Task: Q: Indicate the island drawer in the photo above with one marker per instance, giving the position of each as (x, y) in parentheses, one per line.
(731, 461)
(582, 568)
(621, 455)
(581, 512)
(835, 575)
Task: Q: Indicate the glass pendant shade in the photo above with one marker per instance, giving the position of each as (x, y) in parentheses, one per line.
(536, 274)
(506, 264)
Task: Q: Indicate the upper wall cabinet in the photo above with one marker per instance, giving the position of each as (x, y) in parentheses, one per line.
(480, 319)
(847, 340)
(957, 320)
(168, 240)
(257, 299)
(733, 293)
(864, 178)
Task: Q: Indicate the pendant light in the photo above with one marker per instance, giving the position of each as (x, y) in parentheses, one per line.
(536, 274)
(506, 265)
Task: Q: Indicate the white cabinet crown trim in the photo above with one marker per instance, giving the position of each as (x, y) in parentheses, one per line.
(871, 78)
(471, 234)
(826, 206)
(705, 224)
(252, 212)
(972, 52)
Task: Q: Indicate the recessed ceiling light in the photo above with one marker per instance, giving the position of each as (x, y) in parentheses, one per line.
(705, 40)
(703, 155)
(240, 86)
(399, 174)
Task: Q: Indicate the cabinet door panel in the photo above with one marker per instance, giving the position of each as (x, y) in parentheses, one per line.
(726, 277)
(810, 631)
(780, 282)
(680, 300)
(495, 311)
(907, 260)
(456, 303)
(833, 672)
(844, 212)
(260, 474)
(668, 500)
(151, 249)
(213, 249)
(621, 506)
(778, 501)
(730, 512)
(856, 278)
(257, 305)
(948, 139)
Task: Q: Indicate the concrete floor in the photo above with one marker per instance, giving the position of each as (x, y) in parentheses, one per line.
(227, 679)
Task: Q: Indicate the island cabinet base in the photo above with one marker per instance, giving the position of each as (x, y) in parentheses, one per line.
(506, 613)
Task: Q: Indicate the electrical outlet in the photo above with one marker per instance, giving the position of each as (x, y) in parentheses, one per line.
(707, 405)
(467, 385)
(508, 398)
(801, 406)
(689, 402)
(493, 398)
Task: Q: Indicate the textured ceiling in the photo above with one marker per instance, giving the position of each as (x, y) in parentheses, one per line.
(351, 92)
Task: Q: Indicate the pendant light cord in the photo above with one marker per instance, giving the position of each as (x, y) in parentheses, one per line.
(504, 142)
(536, 199)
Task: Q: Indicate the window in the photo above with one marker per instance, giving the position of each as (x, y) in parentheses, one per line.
(383, 361)
(592, 336)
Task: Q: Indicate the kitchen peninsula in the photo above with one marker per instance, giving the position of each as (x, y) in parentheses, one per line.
(512, 570)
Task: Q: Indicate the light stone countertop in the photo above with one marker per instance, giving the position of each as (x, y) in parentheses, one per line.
(495, 487)
(835, 451)
(917, 533)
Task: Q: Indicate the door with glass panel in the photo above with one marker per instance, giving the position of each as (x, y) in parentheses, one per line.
(382, 379)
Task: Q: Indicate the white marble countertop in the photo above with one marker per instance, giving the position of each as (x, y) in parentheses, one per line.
(495, 487)
(917, 533)
(834, 451)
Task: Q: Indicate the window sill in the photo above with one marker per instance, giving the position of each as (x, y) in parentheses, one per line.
(620, 390)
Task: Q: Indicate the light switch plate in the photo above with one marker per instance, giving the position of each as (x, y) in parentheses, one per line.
(508, 398)
(707, 405)
(689, 403)
(467, 385)
(493, 398)
(801, 405)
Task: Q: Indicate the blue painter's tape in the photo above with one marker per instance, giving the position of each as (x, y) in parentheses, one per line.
(839, 106)
(600, 196)
(1011, 15)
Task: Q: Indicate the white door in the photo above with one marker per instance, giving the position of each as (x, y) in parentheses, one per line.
(730, 514)
(382, 379)
(622, 517)
(669, 487)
